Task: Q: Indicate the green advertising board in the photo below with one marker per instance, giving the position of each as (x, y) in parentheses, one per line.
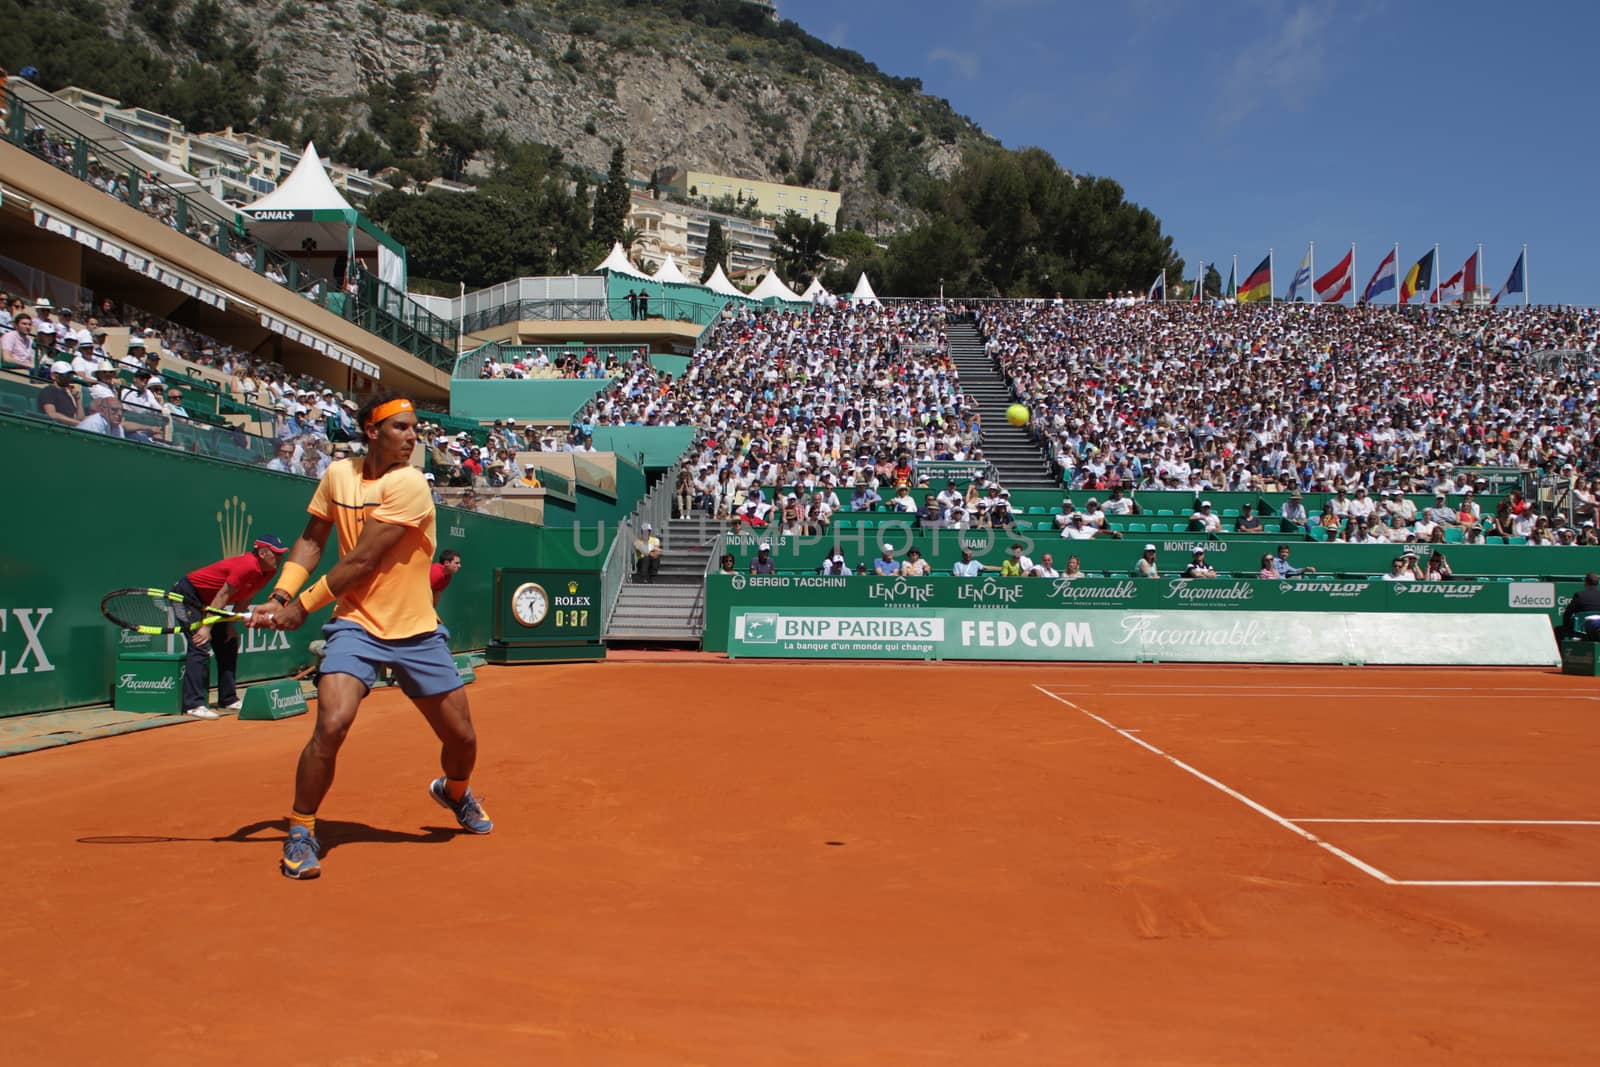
(545, 615)
(1102, 635)
(1307, 594)
(138, 515)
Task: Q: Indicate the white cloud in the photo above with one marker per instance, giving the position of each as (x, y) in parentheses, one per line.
(964, 63)
(1281, 71)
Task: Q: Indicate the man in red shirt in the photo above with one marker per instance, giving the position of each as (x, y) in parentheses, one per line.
(440, 573)
(229, 582)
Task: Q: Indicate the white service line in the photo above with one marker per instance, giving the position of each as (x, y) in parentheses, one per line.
(1463, 821)
(1360, 865)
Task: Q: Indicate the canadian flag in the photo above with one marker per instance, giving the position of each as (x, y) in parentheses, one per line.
(1335, 285)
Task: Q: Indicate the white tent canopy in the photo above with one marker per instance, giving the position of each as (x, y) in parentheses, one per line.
(718, 283)
(307, 188)
(617, 263)
(669, 272)
(772, 286)
(863, 293)
(816, 294)
(306, 217)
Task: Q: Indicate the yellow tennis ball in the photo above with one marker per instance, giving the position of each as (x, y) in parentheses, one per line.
(1017, 415)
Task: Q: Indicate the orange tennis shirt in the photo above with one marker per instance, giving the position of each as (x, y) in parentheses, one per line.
(395, 601)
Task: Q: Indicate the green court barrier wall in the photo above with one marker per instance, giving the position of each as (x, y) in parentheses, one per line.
(670, 365)
(1185, 636)
(1061, 598)
(1233, 553)
(536, 399)
(90, 514)
(660, 445)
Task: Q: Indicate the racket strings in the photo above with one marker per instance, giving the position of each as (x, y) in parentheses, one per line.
(139, 608)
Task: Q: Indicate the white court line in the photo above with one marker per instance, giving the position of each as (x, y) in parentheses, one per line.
(1331, 694)
(1365, 868)
(1479, 884)
(1463, 821)
(1330, 688)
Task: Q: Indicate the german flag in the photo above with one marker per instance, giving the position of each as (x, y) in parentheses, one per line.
(1418, 279)
(1257, 285)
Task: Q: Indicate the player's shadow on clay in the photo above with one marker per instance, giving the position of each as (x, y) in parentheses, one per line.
(331, 833)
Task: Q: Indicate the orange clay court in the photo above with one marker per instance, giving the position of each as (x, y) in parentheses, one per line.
(837, 864)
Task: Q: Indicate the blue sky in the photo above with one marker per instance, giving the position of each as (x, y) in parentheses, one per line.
(1255, 124)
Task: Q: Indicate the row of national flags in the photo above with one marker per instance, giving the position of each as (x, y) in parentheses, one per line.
(1422, 280)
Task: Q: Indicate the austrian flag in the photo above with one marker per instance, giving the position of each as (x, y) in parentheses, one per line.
(1336, 284)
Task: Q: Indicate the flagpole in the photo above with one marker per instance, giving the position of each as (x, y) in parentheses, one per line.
(1433, 297)
(1397, 274)
(1477, 282)
(1272, 279)
(1234, 277)
(1311, 257)
(1525, 297)
(1353, 274)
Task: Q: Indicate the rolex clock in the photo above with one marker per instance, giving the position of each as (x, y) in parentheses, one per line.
(546, 615)
(530, 604)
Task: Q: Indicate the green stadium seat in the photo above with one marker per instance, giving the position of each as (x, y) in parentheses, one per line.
(1454, 535)
(1166, 512)
(1159, 527)
(1135, 527)
(1230, 513)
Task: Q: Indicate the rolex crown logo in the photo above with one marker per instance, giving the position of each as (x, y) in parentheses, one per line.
(572, 588)
(233, 524)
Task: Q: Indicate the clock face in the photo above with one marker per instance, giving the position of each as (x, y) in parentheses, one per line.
(530, 603)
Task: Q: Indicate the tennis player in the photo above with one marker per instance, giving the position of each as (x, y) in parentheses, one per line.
(383, 512)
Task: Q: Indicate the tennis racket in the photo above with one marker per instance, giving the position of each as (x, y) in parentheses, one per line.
(156, 611)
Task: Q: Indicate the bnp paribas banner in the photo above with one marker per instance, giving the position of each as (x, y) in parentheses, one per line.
(1106, 635)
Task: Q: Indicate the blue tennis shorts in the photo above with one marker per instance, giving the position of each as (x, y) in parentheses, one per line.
(422, 664)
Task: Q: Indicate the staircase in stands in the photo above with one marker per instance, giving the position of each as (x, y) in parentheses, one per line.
(1018, 461)
(671, 610)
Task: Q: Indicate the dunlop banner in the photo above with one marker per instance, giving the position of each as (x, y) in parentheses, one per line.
(1191, 636)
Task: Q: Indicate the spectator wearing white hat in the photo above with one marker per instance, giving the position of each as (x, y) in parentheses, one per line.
(1205, 520)
(56, 400)
(44, 349)
(83, 357)
(134, 358)
(1146, 566)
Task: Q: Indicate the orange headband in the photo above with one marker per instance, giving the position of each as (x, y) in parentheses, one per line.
(389, 409)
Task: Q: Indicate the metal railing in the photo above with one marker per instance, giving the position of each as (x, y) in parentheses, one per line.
(614, 572)
(535, 311)
(377, 307)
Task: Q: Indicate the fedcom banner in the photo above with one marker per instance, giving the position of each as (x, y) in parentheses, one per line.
(1129, 636)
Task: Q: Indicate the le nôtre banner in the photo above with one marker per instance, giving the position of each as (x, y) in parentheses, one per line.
(1195, 636)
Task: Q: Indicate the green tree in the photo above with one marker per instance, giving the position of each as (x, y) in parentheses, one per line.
(611, 200)
(1213, 283)
(457, 142)
(798, 246)
(716, 250)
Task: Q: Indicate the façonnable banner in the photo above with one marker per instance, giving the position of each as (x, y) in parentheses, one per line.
(937, 633)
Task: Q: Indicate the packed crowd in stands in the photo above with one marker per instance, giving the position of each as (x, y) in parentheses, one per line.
(1306, 398)
(88, 387)
(784, 398)
(585, 364)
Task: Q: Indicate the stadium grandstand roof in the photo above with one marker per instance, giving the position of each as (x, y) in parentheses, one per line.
(718, 283)
(772, 286)
(863, 293)
(669, 272)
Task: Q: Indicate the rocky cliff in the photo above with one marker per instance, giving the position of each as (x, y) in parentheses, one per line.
(673, 84)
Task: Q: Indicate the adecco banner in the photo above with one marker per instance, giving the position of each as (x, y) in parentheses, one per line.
(1127, 636)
